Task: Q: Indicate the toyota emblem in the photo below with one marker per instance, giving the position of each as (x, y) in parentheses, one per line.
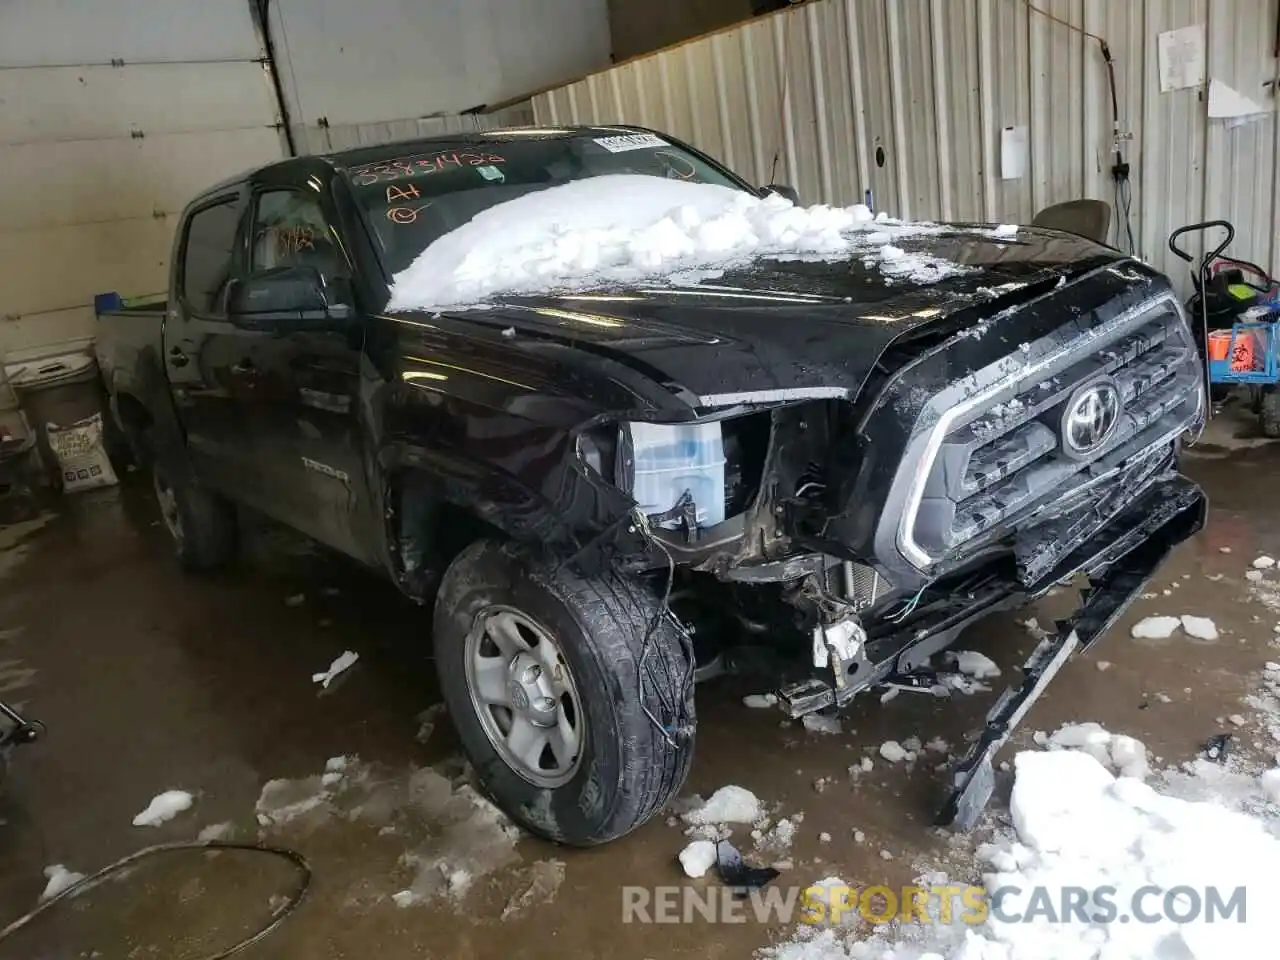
(1090, 417)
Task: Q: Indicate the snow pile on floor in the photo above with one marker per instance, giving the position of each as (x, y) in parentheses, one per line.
(729, 804)
(698, 857)
(60, 878)
(817, 723)
(1121, 754)
(778, 838)
(453, 837)
(543, 883)
(217, 831)
(1078, 826)
(973, 664)
(471, 839)
(1199, 628)
(163, 808)
(1155, 628)
(895, 752)
(625, 228)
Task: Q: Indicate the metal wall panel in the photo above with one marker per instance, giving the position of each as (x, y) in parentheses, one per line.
(353, 63)
(314, 138)
(907, 99)
(111, 117)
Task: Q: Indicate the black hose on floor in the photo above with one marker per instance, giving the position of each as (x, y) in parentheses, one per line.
(91, 881)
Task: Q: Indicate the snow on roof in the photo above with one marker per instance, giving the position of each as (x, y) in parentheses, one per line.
(625, 228)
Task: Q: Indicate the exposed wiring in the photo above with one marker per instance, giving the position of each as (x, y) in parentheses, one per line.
(1120, 168)
(676, 709)
(93, 880)
(908, 608)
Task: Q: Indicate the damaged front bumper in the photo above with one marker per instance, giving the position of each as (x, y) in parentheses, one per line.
(1118, 560)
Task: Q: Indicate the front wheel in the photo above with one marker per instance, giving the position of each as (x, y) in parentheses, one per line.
(578, 727)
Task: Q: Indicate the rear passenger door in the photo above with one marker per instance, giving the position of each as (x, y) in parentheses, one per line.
(202, 348)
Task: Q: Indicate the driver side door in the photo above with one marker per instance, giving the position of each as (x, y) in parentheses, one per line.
(303, 387)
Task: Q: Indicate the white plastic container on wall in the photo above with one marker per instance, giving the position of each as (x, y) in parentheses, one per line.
(673, 458)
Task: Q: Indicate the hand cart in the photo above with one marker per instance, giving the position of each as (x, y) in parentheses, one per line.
(1239, 344)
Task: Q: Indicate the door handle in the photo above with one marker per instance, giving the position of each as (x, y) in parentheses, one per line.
(244, 366)
(177, 358)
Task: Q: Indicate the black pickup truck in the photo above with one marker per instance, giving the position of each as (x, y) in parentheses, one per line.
(899, 457)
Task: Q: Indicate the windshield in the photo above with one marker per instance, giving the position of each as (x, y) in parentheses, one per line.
(411, 200)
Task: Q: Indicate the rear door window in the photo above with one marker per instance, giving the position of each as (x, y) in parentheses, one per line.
(207, 255)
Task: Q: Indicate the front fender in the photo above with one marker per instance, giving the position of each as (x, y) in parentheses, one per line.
(441, 500)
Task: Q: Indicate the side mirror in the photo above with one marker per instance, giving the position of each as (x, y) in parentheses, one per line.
(782, 190)
(285, 294)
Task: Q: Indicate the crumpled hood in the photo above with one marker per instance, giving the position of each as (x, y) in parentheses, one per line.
(784, 330)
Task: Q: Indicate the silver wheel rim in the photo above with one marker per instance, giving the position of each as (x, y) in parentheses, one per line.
(168, 500)
(524, 694)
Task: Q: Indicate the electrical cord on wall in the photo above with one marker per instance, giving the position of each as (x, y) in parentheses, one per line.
(1123, 189)
(93, 880)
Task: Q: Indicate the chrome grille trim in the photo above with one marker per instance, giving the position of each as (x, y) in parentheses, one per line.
(1035, 387)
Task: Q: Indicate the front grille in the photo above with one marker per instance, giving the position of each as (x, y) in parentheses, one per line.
(1007, 463)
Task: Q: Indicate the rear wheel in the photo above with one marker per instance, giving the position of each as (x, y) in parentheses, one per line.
(578, 728)
(202, 524)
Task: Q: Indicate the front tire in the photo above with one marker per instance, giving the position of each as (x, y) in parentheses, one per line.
(540, 670)
(202, 524)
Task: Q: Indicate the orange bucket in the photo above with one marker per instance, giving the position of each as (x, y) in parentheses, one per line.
(1242, 354)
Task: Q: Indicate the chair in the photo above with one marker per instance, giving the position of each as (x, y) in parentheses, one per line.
(1088, 218)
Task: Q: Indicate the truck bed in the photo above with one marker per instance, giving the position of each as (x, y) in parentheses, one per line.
(130, 339)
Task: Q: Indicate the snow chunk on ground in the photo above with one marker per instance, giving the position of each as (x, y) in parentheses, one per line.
(346, 660)
(217, 831)
(893, 751)
(816, 723)
(760, 701)
(1264, 562)
(729, 804)
(973, 664)
(60, 878)
(698, 857)
(163, 808)
(1117, 752)
(1005, 230)
(1155, 628)
(1200, 628)
(624, 228)
(777, 840)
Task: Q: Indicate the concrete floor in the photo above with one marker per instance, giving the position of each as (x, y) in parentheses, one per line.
(149, 680)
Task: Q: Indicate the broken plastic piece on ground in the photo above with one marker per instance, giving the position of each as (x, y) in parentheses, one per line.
(1217, 748)
(737, 874)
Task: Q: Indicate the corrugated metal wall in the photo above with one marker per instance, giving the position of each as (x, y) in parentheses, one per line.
(907, 98)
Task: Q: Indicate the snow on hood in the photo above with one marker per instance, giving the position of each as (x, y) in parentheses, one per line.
(625, 228)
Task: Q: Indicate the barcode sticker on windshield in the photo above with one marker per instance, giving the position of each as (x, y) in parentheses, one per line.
(631, 141)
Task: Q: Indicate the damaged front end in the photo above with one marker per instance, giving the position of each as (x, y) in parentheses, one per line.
(860, 535)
